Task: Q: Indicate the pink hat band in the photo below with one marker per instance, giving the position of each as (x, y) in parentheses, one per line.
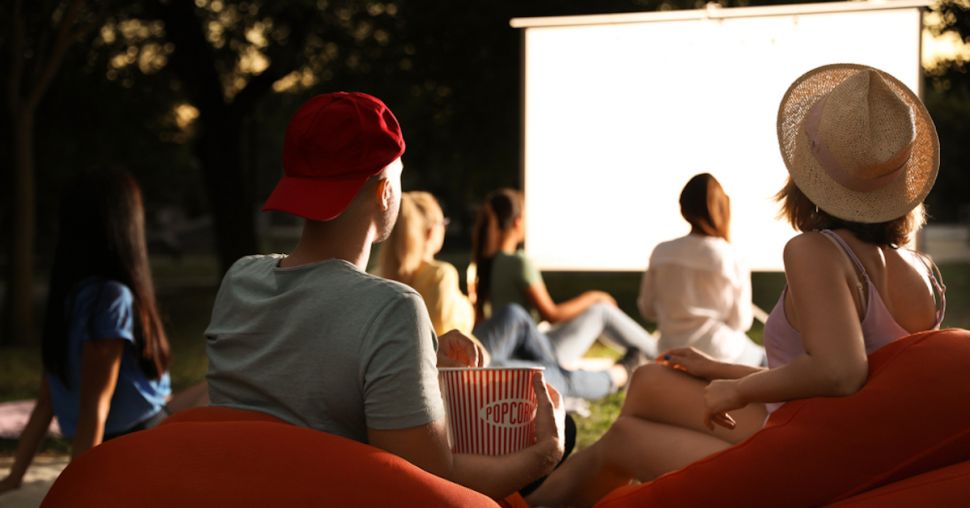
(879, 173)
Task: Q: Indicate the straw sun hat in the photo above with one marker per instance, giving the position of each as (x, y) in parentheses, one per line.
(858, 142)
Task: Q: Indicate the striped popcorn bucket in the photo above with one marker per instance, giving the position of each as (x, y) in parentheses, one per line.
(491, 411)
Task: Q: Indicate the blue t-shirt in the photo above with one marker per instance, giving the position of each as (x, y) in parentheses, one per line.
(103, 309)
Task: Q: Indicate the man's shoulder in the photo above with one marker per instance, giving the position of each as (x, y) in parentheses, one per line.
(254, 263)
(374, 285)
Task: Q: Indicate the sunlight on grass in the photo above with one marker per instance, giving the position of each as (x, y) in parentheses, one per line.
(187, 289)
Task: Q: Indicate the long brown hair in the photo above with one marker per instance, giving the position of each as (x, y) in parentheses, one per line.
(705, 205)
(401, 254)
(497, 214)
(102, 234)
(804, 215)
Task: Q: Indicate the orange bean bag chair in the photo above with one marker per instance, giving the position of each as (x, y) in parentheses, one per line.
(223, 457)
(893, 439)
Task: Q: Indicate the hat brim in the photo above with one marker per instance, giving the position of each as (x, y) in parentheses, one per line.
(312, 198)
(890, 202)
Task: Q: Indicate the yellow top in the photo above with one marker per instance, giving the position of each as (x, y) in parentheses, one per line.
(449, 308)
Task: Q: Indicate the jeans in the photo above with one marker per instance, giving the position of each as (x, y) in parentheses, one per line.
(571, 339)
(513, 340)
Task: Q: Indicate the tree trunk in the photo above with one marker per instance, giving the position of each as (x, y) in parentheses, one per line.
(220, 151)
(19, 298)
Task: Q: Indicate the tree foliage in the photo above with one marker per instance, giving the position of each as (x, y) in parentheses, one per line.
(193, 96)
(947, 98)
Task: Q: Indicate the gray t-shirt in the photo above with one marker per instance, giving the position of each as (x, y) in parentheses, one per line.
(324, 346)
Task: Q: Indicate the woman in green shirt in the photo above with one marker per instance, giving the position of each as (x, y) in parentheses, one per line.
(505, 275)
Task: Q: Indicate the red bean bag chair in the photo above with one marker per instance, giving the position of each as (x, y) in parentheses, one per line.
(224, 457)
(949, 486)
(911, 417)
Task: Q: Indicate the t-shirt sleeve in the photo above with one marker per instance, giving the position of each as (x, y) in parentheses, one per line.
(112, 313)
(529, 273)
(400, 376)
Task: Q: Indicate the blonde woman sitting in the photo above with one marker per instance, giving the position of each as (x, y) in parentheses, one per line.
(407, 256)
(510, 336)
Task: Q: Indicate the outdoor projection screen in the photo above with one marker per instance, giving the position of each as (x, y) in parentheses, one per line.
(621, 110)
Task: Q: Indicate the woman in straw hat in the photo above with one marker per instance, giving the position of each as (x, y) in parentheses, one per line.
(862, 154)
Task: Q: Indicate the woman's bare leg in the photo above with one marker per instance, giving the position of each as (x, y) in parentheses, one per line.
(660, 429)
(663, 395)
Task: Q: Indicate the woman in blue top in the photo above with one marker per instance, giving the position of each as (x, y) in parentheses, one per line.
(105, 353)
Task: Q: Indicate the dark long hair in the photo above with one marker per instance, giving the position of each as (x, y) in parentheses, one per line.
(706, 207)
(102, 234)
(497, 214)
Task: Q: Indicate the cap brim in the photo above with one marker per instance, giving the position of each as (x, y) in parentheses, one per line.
(314, 199)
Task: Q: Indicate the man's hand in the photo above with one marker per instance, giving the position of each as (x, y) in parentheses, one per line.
(456, 349)
(550, 423)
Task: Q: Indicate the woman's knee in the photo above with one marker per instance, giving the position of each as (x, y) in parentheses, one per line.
(647, 378)
(602, 308)
(645, 386)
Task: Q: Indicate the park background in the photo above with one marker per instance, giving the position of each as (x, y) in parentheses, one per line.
(193, 97)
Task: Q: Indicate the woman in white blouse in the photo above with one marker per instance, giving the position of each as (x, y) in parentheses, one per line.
(696, 288)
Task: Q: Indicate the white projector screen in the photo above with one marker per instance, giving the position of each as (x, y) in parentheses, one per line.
(621, 110)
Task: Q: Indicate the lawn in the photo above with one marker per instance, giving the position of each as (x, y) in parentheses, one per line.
(186, 290)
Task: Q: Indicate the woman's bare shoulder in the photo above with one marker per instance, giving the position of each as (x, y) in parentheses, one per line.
(810, 248)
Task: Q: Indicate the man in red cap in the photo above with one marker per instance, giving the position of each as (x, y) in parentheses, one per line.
(313, 339)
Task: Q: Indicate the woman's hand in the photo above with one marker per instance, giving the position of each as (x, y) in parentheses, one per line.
(602, 296)
(9, 483)
(456, 349)
(721, 396)
(691, 361)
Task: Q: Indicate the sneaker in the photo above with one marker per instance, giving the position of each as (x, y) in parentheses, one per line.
(630, 360)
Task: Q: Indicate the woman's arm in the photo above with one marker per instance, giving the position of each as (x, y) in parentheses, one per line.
(427, 447)
(30, 439)
(555, 312)
(698, 364)
(100, 362)
(824, 312)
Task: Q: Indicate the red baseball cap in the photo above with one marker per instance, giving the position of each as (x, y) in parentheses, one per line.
(334, 143)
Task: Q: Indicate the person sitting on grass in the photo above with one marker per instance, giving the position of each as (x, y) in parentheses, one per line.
(105, 353)
(505, 275)
(862, 154)
(510, 336)
(696, 288)
(313, 339)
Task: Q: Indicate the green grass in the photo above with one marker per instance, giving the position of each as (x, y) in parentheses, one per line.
(186, 291)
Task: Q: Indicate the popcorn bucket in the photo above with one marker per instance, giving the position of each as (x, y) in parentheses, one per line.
(490, 411)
